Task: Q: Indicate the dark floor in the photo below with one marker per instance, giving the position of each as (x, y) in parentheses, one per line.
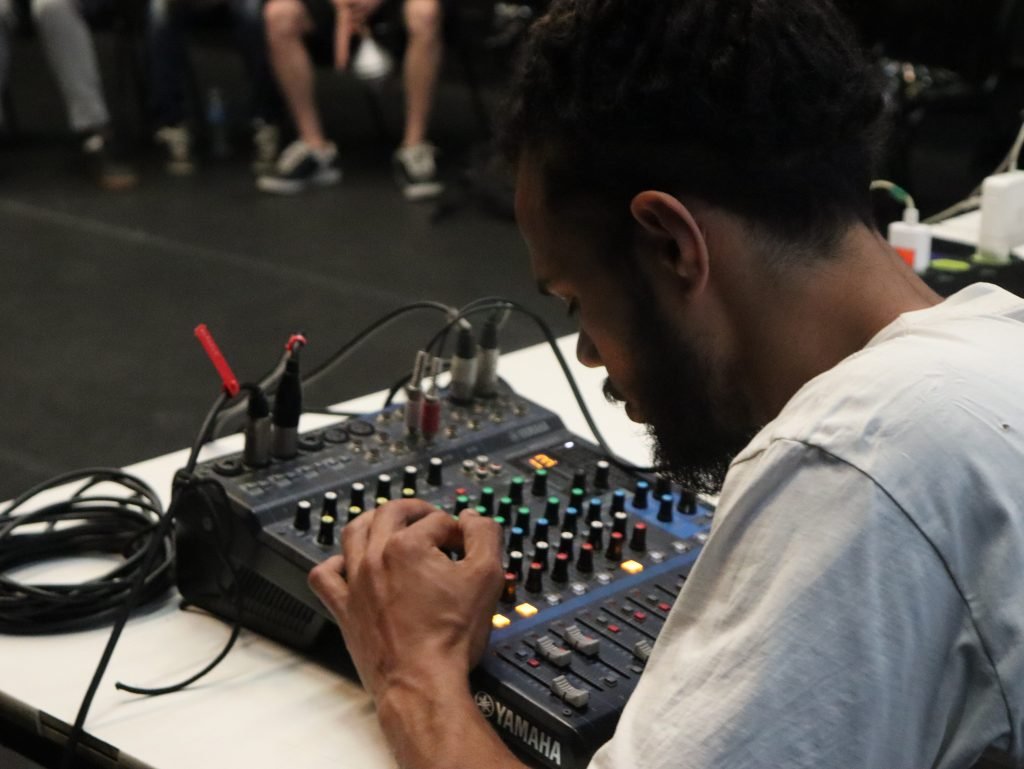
(99, 292)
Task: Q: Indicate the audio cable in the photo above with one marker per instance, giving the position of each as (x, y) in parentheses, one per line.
(497, 304)
(269, 381)
(134, 597)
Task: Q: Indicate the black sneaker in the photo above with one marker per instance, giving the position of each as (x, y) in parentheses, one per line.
(107, 173)
(416, 172)
(299, 167)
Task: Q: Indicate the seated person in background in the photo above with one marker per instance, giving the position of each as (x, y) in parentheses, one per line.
(692, 182)
(168, 70)
(328, 25)
(68, 46)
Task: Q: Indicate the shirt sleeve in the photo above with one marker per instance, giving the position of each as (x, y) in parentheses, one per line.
(819, 629)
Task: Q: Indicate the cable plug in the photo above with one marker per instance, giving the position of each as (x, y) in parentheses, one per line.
(464, 365)
(287, 410)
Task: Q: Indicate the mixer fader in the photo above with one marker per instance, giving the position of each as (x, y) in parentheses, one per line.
(595, 555)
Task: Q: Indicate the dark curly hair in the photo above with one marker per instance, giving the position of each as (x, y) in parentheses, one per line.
(766, 108)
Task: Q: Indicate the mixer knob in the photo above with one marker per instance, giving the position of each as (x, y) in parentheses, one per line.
(618, 501)
(596, 535)
(579, 481)
(515, 539)
(523, 519)
(687, 502)
(662, 486)
(642, 650)
(540, 531)
(665, 508)
(487, 499)
(585, 564)
(584, 644)
(354, 512)
(638, 541)
(508, 592)
(535, 578)
(357, 495)
(570, 522)
(540, 554)
(325, 536)
(408, 493)
(572, 695)
(614, 552)
(594, 510)
(602, 473)
(576, 497)
(560, 572)
(330, 505)
(641, 494)
(548, 650)
(515, 490)
(515, 564)
(434, 474)
(468, 466)
(505, 508)
(540, 483)
(409, 475)
(565, 541)
(461, 503)
(302, 513)
(620, 522)
(383, 486)
(551, 510)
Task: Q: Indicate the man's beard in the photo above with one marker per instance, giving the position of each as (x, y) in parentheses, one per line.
(697, 425)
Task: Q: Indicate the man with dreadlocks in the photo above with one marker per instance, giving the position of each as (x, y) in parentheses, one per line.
(692, 181)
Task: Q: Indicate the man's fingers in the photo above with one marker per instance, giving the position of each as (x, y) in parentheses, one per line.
(481, 537)
(327, 582)
(393, 517)
(437, 530)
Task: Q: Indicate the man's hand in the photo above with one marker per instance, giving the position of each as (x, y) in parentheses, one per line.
(408, 613)
(415, 623)
(352, 16)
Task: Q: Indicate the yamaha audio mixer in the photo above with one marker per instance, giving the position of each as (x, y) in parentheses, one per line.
(595, 554)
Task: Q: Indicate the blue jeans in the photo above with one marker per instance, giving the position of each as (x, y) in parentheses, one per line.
(168, 58)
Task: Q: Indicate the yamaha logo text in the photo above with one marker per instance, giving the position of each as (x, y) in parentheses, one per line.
(514, 724)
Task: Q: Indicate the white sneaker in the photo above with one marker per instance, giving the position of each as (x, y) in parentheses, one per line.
(299, 167)
(177, 142)
(416, 172)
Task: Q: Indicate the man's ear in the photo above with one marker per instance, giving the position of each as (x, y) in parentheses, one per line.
(670, 228)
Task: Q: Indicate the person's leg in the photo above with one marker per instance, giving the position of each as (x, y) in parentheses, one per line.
(422, 65)
(287, 22)
(252, 42)
(70, 51)
(166, 22)
(168, 60)
(6, 19)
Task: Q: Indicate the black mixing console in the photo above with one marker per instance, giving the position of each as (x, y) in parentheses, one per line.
(595, 555)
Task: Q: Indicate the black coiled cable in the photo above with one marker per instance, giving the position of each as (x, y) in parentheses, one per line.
(86, 523)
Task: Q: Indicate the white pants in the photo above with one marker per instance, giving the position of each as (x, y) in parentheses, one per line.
(70, 52)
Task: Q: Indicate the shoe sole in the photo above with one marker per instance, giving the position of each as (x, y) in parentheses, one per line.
(278, 186)
(425, 191)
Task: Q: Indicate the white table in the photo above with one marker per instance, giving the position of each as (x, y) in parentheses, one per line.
(264, 707)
